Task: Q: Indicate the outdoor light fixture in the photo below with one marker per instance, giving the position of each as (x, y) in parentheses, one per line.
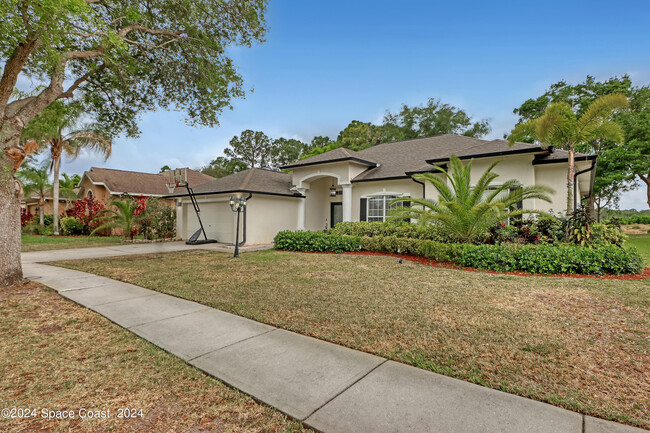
(332, 191)
(237, 204)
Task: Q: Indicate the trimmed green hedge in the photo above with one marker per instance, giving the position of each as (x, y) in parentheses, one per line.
(536, 259)
(315, 242)
(389, 228)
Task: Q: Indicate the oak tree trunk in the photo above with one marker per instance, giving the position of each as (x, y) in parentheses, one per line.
(10, 268)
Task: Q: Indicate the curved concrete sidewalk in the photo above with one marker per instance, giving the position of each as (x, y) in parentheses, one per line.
(328, 387)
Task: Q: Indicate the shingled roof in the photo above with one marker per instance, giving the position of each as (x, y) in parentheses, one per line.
(336, 155)
(400, 159)
(253, 180)
(137, 183)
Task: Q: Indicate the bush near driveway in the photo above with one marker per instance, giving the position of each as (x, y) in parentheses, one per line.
(536, 259)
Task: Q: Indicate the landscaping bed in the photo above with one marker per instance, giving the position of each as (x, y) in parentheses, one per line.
(58, 356)
(534, 259)
(582, 344)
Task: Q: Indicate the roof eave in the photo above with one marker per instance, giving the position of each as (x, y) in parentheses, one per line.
(232, 191)
(490, 154)
(561, 160)
(327, 161)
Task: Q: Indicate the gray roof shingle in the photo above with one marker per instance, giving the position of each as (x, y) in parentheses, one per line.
(257, 180)
(137, 183)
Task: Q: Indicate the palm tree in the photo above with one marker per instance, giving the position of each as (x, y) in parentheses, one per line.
(467, 211)
(561, 127)
(123, 216)
(54, 128)
(36, 182)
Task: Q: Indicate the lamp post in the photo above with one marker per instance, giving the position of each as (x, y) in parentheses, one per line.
(237, 204)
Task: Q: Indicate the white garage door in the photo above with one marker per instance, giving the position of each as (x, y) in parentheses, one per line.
(218, 221)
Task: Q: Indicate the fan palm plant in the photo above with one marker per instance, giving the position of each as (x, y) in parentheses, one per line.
(123, 215)
(561, 127)
(467, 211)
(36, 182)
(55, 128)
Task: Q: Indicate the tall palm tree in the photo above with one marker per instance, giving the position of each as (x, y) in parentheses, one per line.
(36, 181)
(55, 128)
(561, 127)
(467, 211)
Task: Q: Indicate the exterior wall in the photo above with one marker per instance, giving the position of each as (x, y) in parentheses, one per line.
(517, 167)
(343, 172)
(399, 186)
(48, 209)
(99, 191)
(266, 215)
(555, 176)
(217, 218)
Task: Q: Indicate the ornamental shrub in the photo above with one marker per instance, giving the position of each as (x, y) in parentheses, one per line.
(537, 259)
(71, 226)
(315, 242)
(399, 229)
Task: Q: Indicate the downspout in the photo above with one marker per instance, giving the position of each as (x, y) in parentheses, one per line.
(243, 241)
(423, 186)
(591, 188)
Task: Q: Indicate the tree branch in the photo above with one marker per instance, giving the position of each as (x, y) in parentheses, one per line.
(69, 93)
(12, 69)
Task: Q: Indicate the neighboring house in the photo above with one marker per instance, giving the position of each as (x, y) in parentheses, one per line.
(344, 185)
(31, 205)
(106, 183)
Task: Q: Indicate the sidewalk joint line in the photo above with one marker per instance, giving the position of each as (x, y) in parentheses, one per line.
(153, 321)
(345, 389)
(113, 302)
(583, 423)
(232, 344)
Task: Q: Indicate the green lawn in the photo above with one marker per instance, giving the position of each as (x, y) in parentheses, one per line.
(579, 343)
(642, 244)
(57, 355)
(43, 243)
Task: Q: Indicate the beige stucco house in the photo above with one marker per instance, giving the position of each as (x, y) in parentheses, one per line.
(107, 183)
(344, 185)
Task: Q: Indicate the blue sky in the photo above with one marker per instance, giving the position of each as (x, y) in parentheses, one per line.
(329, 62)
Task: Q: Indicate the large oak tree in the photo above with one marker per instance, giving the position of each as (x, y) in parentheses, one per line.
(118, 58)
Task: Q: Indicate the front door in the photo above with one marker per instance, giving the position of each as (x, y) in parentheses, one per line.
(336, 213)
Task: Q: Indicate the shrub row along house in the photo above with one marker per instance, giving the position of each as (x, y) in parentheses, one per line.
(344, 185)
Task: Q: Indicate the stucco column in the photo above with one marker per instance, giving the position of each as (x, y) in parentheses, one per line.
(347, 202)
(301, 208)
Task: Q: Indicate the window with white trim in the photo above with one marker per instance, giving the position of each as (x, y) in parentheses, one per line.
(379, 207)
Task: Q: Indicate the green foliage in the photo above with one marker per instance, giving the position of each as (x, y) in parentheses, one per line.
(579, 231)
(139, 56)
(634, 219)
(560, 126)
(464, 211)
(315, 242)
(537, 259)
(432, 118)
(71, 226)
(286, 151)
(222, 166)
(389, 228)
(607, 234)
(359, 135)
(122, 214)
(251, 148)
(157, 219)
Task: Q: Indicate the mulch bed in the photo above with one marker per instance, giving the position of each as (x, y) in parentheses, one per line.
(428, 262)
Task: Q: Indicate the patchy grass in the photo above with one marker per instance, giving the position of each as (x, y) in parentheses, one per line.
(57, 355)
(46, 243)
(582, 344)
(642, 244)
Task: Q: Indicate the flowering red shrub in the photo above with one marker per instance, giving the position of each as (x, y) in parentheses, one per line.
(25, 217)
(86, 210)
